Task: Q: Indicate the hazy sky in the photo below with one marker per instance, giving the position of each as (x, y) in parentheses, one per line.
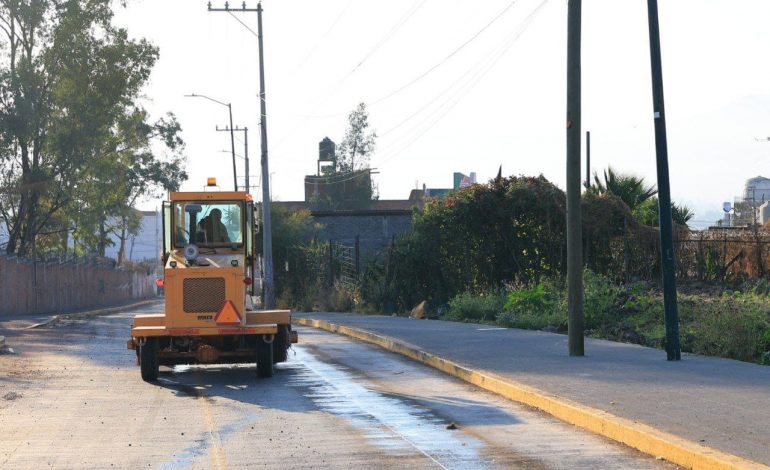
(467, 86)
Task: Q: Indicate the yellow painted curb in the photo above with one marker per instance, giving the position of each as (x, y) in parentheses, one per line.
(93, 313)
(637, 435)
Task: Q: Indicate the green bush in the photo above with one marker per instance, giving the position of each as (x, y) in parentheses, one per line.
(470, 306)
(601, 303)
(530, 300)
(537, 307)
(736, 326)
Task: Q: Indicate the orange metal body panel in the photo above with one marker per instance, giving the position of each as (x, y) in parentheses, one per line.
(150, 319)
(176, 317)
(211, 196)
(147, 331)
(281, 317)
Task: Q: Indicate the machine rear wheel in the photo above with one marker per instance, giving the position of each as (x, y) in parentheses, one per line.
(281, 344)
(264, 357)
(148, 359)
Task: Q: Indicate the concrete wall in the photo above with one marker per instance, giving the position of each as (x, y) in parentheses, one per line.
(375, 230)
(34, 287)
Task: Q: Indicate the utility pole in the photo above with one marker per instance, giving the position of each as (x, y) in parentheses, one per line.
(668, 262)
(575, 323)
(267, 238)
(246, 158)
(245, 131)
(588, 159)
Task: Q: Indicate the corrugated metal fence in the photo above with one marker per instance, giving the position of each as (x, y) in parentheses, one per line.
(28, 287)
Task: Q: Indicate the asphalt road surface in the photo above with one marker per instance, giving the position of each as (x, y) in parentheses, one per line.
(71, 397)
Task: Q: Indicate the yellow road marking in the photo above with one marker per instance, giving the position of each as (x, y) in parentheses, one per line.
(217, 454)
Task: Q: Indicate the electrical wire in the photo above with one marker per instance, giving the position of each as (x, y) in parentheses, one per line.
(244, 24)
(449, 56)
(475, 73)
(389, 34)
(432, 68)
(341, 82)
(337, 181)
(320, 40)
(443, 109)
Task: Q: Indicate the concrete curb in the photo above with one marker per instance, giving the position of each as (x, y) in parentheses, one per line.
(92, 313)
(631, 433)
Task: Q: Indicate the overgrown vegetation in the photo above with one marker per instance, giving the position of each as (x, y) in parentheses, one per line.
(733, 324)
(301, 269)
(495, 253)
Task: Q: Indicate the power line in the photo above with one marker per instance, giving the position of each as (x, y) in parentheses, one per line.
(475, 73)
(244, 25)
(449, 56)
(428, 71)
(335, 89)
(318, 42)
(390, 34)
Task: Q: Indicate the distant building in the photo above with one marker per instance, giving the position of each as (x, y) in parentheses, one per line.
(146, 245)
(757, 191)
(351, 189)
(375, 225)
(463, 181)
(753, 207)
(459, 181)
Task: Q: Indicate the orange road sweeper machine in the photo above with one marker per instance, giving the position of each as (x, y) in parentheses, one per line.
(210, 264)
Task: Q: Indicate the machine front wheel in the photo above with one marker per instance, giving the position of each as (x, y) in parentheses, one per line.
(148, 359)
(264, 357)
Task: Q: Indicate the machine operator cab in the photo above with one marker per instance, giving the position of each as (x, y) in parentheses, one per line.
(212, 229)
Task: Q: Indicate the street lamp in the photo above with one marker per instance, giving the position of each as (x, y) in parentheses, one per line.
(232, 134)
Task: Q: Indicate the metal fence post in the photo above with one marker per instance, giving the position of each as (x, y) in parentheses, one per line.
(358, 252)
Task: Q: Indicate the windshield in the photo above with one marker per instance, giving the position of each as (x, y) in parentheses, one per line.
(208, 224)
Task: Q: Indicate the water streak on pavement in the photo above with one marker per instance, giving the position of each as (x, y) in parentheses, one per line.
(388, 422)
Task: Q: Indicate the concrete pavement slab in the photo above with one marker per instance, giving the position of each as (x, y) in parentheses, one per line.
(719, 403)
(20, 322)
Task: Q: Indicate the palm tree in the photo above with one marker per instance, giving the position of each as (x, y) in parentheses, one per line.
(681, 214)
(630, 189)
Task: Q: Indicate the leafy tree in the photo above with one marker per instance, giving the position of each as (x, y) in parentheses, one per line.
(125, 173)
(359, 143)
(630, 189)
(638, 197)
(480, 237)
(647, 213)
(68, 91)
(681, 213)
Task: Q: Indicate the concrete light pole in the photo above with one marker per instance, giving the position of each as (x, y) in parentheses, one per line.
(575, 321)
(267, 236)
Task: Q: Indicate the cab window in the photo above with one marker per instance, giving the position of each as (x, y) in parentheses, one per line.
(208, 224)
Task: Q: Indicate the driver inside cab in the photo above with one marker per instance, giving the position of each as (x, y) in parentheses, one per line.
(212, 230)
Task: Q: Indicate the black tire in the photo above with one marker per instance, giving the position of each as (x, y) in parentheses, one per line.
(264, 357)
(148, 359)
(281, 344)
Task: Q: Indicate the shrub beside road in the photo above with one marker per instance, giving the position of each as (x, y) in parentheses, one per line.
(715, 322)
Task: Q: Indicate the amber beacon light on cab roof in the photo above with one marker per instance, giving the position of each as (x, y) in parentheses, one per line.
(210, 258)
